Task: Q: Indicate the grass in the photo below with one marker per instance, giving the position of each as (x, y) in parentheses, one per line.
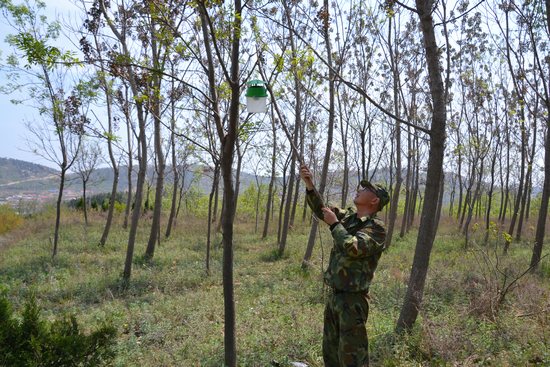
(171, 314)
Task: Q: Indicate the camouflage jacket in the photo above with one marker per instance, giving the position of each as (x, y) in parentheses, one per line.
(358, 245)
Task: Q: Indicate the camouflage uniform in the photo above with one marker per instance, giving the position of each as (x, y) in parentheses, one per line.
(358, 244)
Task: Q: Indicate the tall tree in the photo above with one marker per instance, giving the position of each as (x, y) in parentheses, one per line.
(543, 211)
(122, 66)
(158, 20)
(324, 26)
(93, 54)
(428, 222)
(394, 54)
(227, 135)
(59, 139)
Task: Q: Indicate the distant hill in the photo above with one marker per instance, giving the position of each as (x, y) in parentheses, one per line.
(20, 179)
(30, 181)
(13, 171)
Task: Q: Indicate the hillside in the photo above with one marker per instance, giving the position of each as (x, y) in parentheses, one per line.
(13, 171)
(20, 180)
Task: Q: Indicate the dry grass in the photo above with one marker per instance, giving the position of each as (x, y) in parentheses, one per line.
(172, 313)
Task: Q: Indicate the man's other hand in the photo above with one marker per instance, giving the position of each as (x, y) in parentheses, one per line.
(306, 176)
(328, 216)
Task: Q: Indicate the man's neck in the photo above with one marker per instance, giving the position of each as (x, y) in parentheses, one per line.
(365, 212)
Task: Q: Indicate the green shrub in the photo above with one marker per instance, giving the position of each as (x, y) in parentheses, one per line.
(32, 341)
(9, 219)
(78, 204)
(119, 207)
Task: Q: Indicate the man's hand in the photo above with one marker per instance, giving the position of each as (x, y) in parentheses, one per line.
(306, 176)
(328, 216)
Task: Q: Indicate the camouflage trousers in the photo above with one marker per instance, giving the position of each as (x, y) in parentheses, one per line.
(345, 342)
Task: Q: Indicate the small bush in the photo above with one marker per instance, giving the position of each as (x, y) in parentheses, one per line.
(9, 219)
(32, 341)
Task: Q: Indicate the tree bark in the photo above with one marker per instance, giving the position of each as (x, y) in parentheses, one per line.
(398, 176)
(272, 177)
(297, 125)
(175, 171)
(84, 204)
(228, 138)
(330, 127)
(142, 141)
(58, 210)
(114, 163)
(490, 193)
(408, 183)
(426, 233)
(158, 64)
(130, 166)
(543, 211)
(209, 225)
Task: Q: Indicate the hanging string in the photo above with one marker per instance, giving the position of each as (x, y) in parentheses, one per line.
(324, 288)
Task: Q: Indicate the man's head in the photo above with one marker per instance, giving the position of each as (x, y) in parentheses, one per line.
(372, 197)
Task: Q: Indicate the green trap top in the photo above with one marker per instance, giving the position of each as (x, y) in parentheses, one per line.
(256, 88)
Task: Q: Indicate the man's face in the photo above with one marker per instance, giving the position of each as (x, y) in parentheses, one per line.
(365, 196)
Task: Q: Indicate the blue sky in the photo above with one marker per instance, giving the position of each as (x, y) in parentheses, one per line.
(13, 132)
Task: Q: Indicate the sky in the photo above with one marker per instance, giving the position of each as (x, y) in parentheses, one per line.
(13, 132)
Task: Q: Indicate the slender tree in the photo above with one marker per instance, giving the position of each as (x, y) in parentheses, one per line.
(65, 120)
(125, 69)
(426, 234)
(87, 161)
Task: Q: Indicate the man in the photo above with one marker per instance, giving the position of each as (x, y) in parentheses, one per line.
(358, 243)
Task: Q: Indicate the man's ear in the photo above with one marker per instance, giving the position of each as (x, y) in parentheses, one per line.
(376, 201)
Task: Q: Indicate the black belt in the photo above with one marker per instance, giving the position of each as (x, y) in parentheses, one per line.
(339, 291)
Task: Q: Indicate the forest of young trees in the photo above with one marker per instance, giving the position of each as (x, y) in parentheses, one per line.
(446, 103)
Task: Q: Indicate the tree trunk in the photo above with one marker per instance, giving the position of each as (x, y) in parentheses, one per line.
(426, 233)
(84, 204)
(297, 125)
(175, 171)
(521, 120)
(138, 199)
(129, 170)
(543, 211)
(475, 199)
(519, 194)
(344, 125)
(490, 195)
(58, 208)
(281, 206)
(114, 163)
(295, 202)
(524, 211)
(161, 165)
(330, 132)
(238, 174)
(398, 177)
(271, 179)
(416, 187)
(287, 206)
(209, 225)
(408, 183)
(181, 190)
(257, 206)
(158, 64)
(452, 195)
(501, 179)
(460, 181)
(228, 139)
